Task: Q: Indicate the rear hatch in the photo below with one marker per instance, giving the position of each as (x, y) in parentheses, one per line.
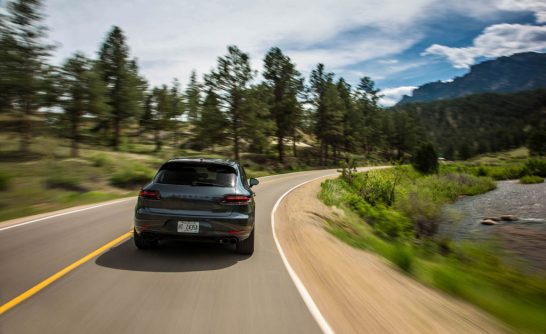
(193, 189)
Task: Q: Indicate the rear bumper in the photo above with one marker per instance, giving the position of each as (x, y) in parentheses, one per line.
(211, 229)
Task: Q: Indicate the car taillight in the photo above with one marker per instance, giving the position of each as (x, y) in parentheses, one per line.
(236, 199)
(149, 194)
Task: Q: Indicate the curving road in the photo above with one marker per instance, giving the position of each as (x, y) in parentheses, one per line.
(178, 289)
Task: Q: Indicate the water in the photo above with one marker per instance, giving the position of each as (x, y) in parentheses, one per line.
(525, 238)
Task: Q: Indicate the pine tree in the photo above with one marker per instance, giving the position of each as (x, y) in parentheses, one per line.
(161, 110)
(536, 141)
(125, 86)
(368, 112)
(258, 123)
(23, 69)
(230, 80)
(193, 99)
(353, 120)
(333, 109)
(320, 81)
(285, 84)
(425, 159)
(82, 92)
(75, 96)
(211, 126)
(407, 134)
(367, 91)
(178, 108)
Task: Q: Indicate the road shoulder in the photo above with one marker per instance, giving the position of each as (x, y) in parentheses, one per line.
(357, 291)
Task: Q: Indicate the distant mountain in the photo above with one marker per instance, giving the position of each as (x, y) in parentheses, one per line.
(519, 72)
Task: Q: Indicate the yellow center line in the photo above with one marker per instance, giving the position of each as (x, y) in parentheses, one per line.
(40, 286)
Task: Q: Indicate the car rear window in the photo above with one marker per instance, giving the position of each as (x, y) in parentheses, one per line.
(199, 175)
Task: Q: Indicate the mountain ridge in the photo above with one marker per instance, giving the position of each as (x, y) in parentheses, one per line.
(508, 74)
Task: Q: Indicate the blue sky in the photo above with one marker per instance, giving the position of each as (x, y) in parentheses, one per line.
(400, 44)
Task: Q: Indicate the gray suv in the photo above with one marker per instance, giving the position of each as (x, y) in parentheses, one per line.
(203, 200)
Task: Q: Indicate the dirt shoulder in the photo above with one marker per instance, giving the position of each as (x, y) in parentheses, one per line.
(357, 291)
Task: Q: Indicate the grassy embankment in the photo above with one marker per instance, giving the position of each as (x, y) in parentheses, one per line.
(48, 179)
(509, 165)
(395, 213)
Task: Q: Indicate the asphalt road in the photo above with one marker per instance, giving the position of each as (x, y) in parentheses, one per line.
(177, 289)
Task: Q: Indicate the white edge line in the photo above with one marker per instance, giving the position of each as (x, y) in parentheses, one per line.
(313, 308)
(65, 213)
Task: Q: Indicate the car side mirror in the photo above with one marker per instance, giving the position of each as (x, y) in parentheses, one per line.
(253, 182)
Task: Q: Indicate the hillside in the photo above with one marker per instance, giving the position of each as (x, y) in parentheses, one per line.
(520, 72)
(480, 123)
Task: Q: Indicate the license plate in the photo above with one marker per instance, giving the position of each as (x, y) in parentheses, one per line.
(188, 227)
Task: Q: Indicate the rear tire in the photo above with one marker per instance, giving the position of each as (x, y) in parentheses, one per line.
(142, 243)
(246, 246)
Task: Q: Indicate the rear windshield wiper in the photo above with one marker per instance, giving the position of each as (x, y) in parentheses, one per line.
(201, 183)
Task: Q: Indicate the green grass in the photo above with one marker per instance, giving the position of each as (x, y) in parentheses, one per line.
(512, 170)
(48, 178)
(471, 271)
(505, 157)
(530, 179)
(101, 160)
(5, 180)
(132, 175)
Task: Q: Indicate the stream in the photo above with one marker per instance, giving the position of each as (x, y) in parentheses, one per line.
(524, 238)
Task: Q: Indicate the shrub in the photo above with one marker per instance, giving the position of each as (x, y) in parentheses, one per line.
(333, 191)
(535, 167)
(426, 159)
(447, 279)
(481, 171)
(100, 160)
(375, 187)
(529, 179)
(466, 184)
(387, 222)
(423, 210)
(506, 172)
(537, 140)
(131, 176)
(403, 257)
(58, 178)
(4, 181)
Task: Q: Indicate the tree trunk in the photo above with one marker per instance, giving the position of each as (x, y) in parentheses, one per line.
(294, 145)
(157, 140)
(321, 154)
(294, 138)
(236, 146)
(25, 129)
(236, 130)
(280, 148)
(115, 139)
(74, 136)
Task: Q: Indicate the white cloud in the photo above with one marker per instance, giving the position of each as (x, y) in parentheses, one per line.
(388, 61)
(536, 6)
(495, 41)
(335, 58)
(172, 37)
(383, 71)
(177, 36)
(391, 96)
